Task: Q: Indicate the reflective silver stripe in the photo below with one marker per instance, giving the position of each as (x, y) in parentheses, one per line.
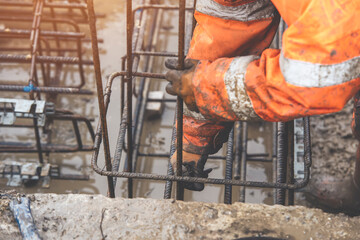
(235, 87)
(305, 74)
(189, 113)
(259, 9)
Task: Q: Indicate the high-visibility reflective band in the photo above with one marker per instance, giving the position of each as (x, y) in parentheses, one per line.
(189, 113)
(259, 9)
(235, 88)
(305, 74)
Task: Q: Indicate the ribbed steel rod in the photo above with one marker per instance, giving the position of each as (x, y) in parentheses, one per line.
(129, 76)
(238, 149)
(63, 90)
(290, 163)
(179, 106)
(94, 43)
(274, 155)
(229, 167)
(243, 169)
(42, 59)
(34, 39)
(282, 153)
(170, 171)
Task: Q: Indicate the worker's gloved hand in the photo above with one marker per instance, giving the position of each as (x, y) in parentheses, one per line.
(180, 81)
(193, 166)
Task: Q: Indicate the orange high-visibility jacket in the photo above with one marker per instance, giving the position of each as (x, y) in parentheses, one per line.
(316, 71)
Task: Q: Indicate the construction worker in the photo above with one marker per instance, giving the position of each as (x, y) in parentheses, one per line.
(230, 75)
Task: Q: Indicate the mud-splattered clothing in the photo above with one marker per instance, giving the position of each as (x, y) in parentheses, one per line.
(316, 71)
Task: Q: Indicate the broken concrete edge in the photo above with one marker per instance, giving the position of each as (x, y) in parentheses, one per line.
(20, 207)
(79, 216)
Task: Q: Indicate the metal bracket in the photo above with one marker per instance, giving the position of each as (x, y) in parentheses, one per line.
(10, 109)
(299, 148)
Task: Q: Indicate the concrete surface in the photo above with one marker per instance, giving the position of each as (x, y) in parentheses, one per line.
(82, 217)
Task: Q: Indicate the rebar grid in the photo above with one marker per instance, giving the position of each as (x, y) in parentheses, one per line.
(239, 157)
(47, 50)
(40, 51)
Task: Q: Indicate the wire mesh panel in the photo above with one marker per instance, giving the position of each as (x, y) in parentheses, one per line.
(137, 73)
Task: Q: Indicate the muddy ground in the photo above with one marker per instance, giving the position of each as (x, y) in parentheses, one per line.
(60, 217)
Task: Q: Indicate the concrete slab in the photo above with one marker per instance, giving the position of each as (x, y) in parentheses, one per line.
(80, 217)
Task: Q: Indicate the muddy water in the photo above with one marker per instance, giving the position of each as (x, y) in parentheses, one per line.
(156, 134)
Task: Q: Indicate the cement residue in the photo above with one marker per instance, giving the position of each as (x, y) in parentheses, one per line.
(333, 145)
(97, 217)
(8, 226)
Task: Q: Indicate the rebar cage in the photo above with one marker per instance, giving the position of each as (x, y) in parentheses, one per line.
(35, 35)
(284, 137)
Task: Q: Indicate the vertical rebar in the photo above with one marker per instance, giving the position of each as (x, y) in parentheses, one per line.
(274, 156)
(34, 39)
(290, 163)
(144, 83)
(103, 122)
(170, 171)
(193, 19)
(122, 87)
(307, 144)
(129, 63)
(243, 159)
(77, 134)
(37, 133)
(281, 164)
(81, 68)
(229, 167)
(179, 108)
(238, 149)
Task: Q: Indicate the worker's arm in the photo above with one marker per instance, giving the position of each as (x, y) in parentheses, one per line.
(225, 29)
(316, 72)
(230, 28)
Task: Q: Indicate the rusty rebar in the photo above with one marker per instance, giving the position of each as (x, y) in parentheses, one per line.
(229, 167)
(96, 59)
(243, 167)
(179, 105)
(282, 153)
(34, 39)
(129, 76)
(62, 90)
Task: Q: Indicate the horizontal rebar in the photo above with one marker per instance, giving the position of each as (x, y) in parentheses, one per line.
(296, 185)
(63, 90)
(10, 58)
(47, 4)
(18, 147)
(140, 74)
(25, 32)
